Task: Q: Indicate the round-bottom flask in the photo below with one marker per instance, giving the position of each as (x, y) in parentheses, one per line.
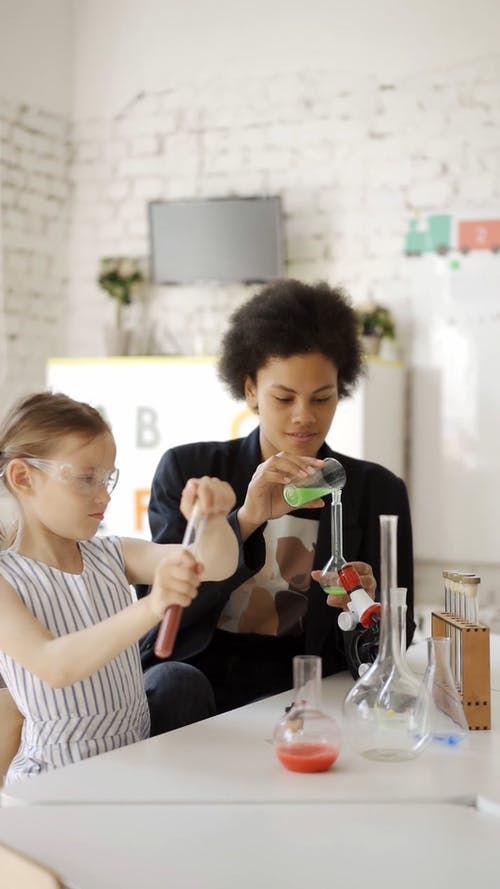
(306, 739)
(448, 725)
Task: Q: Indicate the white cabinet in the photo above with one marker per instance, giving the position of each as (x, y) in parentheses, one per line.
(154, 403)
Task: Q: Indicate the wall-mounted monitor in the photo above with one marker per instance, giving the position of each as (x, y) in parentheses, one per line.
(220, 240)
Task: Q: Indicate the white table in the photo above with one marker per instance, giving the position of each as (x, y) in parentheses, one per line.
(250, 846)
(229, 759)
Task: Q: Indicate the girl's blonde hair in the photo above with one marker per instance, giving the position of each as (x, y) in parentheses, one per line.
(34, 425)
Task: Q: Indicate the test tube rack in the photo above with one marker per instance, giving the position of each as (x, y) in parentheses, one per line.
(474, 682)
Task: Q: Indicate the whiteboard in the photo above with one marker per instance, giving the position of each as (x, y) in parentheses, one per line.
(154, 403)
(454, 477)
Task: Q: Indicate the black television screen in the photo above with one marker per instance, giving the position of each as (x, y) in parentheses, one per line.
(219, 240)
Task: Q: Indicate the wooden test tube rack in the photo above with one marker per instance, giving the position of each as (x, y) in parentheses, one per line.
(474, 641)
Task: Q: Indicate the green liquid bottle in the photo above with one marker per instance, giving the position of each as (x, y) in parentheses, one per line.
(329, 478)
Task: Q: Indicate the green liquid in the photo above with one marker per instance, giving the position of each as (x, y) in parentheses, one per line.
(296, 497)
(334, 590)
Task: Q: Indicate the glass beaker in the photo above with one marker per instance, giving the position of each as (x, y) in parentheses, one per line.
(447, 721)
(306, 739)
(325, 480)
(385, 717)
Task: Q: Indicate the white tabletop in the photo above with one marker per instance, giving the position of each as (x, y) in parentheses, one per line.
(230, 759)
(249, 846)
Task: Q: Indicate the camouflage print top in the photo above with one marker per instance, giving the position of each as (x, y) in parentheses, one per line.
(274, 601)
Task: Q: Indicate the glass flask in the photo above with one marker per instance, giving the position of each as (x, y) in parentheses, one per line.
(386, 711)
(325, 480)
(306, 739)
(447, 721)
(329, 578)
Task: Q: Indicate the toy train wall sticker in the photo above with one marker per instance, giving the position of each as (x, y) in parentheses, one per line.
(443, 233)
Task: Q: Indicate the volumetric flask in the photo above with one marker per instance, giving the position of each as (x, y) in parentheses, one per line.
(385, 717)
(329, 578)
(328, 478)
(306, 739)
(447, 722)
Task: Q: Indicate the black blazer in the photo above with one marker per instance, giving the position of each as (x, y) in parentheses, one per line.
(370, 490)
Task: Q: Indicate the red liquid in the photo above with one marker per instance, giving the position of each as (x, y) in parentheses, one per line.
(167, 633)
(307, 757)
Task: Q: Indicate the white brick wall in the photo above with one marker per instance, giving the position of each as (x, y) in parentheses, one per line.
(34, 212)
(352, 158)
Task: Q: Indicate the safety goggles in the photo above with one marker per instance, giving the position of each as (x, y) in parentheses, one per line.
(82, 482)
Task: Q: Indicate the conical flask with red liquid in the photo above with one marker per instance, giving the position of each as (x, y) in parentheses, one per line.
(306, 739)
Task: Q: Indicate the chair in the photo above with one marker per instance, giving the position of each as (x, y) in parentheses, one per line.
(19, 872)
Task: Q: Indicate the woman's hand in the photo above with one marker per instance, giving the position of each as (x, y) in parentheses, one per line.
(366, 577)
(214, 496)
(264, 499)
(176, 582)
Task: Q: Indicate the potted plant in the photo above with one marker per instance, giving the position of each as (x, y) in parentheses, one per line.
(118, 275)
(375, 322)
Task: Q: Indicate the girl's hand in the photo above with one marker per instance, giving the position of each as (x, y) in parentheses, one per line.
(215, 497)
(366, 577)
(264, 499)
(176, 582)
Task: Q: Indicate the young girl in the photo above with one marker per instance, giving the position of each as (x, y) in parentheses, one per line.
(68, 625)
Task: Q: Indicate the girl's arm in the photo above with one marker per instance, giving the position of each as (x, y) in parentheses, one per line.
(218, 549)
(63, 660)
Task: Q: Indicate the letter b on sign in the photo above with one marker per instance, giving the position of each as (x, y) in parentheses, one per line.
(148, 434)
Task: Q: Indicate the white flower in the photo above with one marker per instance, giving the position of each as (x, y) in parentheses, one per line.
(127, 268)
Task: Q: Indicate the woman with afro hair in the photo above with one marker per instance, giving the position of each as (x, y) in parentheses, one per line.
(291, 352)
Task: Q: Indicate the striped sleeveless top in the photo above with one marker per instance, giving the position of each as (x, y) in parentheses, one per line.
(107, 710)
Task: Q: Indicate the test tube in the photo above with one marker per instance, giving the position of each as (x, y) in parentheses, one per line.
(169, 626)
(446, 585)
(455, 606)
(450, 608)
(458, 580)
(471, 589)
(457, 636)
